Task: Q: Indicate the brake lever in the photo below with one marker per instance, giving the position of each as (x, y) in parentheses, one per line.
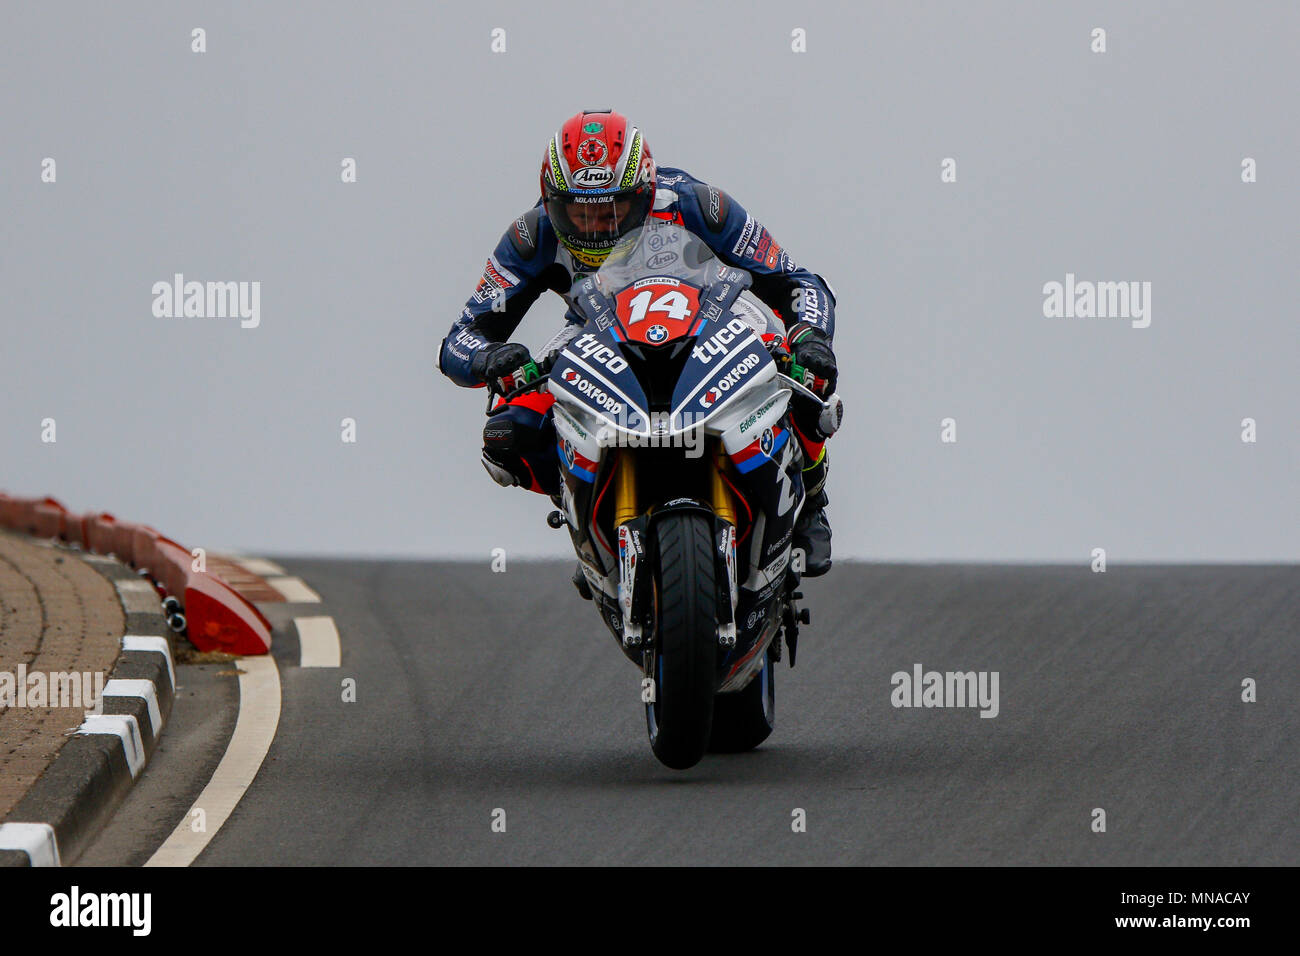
(832, 408)
(800, 386)
(542, 381)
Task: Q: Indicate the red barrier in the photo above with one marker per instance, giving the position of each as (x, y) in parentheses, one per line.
(43, 517)
(171, 566)
(218, 618)
(74, 529)
(22, 512)
(99, 532)
(123, 535)
(144, 546)
(47, 518)
(8, 511)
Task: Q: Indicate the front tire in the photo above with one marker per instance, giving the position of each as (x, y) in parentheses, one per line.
(686, 645)
(743, 720)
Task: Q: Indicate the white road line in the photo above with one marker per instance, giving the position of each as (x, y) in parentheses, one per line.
(259, 716)
(294, 590)
(259, 566)
(318, 642)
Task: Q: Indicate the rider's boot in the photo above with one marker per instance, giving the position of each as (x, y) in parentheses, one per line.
(812, 532)
(580, 582)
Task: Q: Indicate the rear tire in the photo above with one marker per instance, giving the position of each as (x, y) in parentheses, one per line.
(743, 720)
(686, 646)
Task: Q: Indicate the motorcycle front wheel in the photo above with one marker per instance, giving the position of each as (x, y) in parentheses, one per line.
(680, 718)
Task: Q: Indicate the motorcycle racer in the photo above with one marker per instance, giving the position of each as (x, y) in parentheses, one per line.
(598, 183)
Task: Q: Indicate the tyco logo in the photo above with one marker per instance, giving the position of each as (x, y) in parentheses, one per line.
(743, 368)
(717, 343)
(591, 348)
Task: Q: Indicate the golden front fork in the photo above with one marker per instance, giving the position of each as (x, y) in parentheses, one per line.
(625, 508)
(723, 505)
(625, 500)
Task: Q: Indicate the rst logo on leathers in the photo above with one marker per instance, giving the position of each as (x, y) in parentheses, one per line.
(717, 343)
(742, 368)
(593, 391)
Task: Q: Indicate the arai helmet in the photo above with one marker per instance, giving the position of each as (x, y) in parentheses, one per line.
(598, 183)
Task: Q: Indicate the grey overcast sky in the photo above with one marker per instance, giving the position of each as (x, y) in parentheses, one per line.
(1071, 433)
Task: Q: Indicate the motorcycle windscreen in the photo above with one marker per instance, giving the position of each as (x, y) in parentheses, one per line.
(655, 277)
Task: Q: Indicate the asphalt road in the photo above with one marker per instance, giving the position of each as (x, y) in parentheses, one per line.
(478, 691)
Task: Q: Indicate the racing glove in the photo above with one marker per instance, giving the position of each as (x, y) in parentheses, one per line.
(505, 366)
(812, 360)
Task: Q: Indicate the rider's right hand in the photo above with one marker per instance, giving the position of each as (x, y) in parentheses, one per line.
(813, 356)
(505, 366)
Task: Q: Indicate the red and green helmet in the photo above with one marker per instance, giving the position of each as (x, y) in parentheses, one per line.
(598, 183)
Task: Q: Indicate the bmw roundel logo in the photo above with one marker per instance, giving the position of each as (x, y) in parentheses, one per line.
(765, 443)
(570, 453)
(656, 333)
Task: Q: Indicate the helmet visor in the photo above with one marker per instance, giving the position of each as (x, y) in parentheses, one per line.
(598, 220)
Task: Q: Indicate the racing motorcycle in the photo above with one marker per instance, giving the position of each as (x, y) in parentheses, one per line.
(682, 483)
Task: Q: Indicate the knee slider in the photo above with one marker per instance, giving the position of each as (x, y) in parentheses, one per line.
(506, 434)
(499, 435)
